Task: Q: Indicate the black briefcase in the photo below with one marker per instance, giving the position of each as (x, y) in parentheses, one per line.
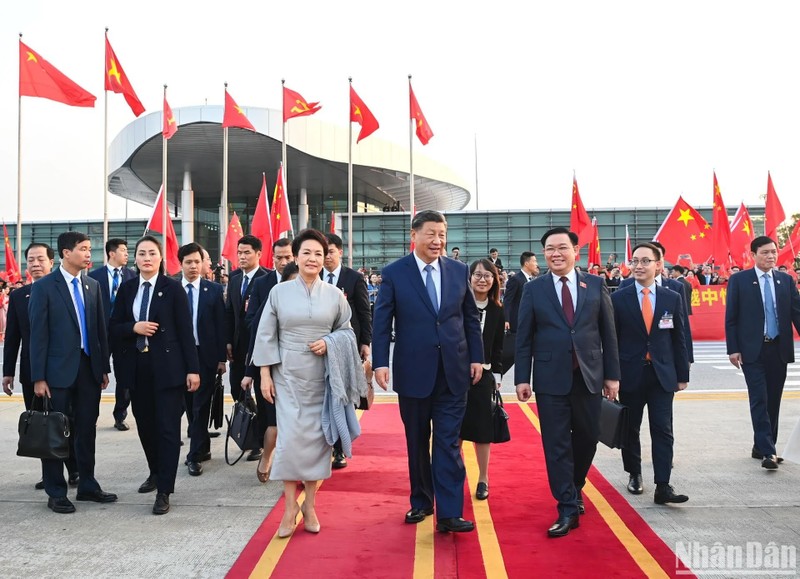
(613, 423)
(43, 434)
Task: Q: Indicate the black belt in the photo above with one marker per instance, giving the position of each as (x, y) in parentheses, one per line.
(768, 340)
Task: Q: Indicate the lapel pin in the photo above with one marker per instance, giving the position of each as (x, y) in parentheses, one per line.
(160, 294)
(87, 286)
(777, 281)
(205, 289)
(583, 285)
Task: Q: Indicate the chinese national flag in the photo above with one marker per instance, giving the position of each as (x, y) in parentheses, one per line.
(424, 132)
(170, 125)
(579, 221)
(741, 236)
(12, 269)
(294, 105)
(234, 115)
(789, 251)
(623, 266)
(173, 266)
(39, 78)
(280, 218)
(720, 230)
(774, 214)
(333, 222)
(117, 81)
(260, 225)
(594, 246)
(232, 237)
(359, 113)
(685, 233)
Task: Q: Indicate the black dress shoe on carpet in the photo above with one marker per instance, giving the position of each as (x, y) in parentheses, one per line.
(454, 525)
(255, 454)
(195, 468)
(418, 515)
(161, 506)
(563, 526)
(666, 494)
(60, 505)
(213, 433)
(39, 486)
(148, 486)
(770, 462)
(339, 461)
(635, 486)
(120, 425)
(581, 506)
(97, 496)
(74, 478)
(482, 492)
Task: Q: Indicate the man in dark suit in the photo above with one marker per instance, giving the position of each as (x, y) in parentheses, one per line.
(70, 362)
(110, 277)
(238, 334)
(566, 328)
(438, 353)
(207, 309)
(679, 274)
(495, 259)
(529, 268)
(354, 288)
(762, 306)
(654, 364)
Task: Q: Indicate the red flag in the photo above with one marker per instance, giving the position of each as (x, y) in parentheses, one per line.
(424, 132)
(260, 225)
(12, 269)
(28, 277)
(412, 246)
(171, 246)
(579, 221)
(623, 266)
(117, 81)
(232, 237)
(333, 222)
(773, 212)
(789, 251)
(741, 236)
(720, 230)
(294, 105)
(170, 125)
(234, 115)
(594, 246)
(39, 78)
(685, 233)
(280, 218)
(359, 113)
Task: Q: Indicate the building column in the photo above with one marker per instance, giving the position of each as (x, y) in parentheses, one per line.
(302, 210)
(187, 209)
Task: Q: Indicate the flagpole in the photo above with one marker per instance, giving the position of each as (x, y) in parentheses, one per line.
(350, 180)
(223, 226)
(410, 155)
(164, 184)
(105, 162)
(19, 176)
(283, 136)
(476, 172)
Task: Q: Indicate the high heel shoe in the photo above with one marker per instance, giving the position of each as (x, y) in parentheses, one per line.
(311, 528)
(284, 532)
(262, 476)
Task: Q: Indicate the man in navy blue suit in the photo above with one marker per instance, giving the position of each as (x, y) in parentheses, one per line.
(110, 277)
(566, 328)
(438, 353)
(70, 362)
(654, 364)
(762, 305)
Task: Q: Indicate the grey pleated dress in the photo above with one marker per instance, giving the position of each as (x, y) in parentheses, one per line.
(293, 317)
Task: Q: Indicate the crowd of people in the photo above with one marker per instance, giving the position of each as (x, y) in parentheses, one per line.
(306, 337)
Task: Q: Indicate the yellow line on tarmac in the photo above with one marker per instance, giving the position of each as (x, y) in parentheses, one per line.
(638, 552)
(423, 549)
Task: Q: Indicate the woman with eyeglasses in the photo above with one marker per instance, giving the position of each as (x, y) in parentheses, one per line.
(477, 425)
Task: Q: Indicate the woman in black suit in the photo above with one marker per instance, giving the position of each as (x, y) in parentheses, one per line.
(155, 356)
(477, 425)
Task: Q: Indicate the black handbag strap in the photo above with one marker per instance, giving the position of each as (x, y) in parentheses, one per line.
(227, 442)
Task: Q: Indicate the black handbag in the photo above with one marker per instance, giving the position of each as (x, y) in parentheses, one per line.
(501, 433)
(242, 426)
(613, 423)
(509, 350)
(43, 434)
(217, 398)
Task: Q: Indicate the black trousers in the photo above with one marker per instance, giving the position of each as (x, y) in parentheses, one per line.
(122, 398)
(765, 379)
(570, 426)
(200, 411)
(158, 418)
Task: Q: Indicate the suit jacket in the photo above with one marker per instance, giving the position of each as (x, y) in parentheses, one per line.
(744, 314)
(546, 341)
(423, 336)
(172, 347)
(512, 297)
(236, 330)
(101, 275)
(493, 333)
(55, 350)
(687, 293)
(498, 263)
(18, 333)
(210, 321)
(355, 290)
(667, 347)
(259, 292)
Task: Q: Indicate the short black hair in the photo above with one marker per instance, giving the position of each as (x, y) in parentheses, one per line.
(189, 249)
(456, 248)
(114, 243)
(68, 240)
(290, 270)
(651, 246)
(573, 237)
(679, 268)
(659, 246)
(760, 241)
(282, 242)
(525, 256)
(427, 216)
(252, 241)
(152, 239)
(493, 250)
(334, 239)
(309, 235)
(50, 253)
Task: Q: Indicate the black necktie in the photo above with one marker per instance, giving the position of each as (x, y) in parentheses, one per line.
(114, 285)
(245, 281)
(141, 341)
(330, 278)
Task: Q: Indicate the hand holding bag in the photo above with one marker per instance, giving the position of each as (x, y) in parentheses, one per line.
(501, 433)
(613, 423)
(242, 426)
(44, 434)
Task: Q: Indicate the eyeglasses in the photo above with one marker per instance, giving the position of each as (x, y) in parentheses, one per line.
(486, 276)
(645, 261)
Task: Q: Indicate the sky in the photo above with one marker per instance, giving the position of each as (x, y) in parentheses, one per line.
(642, 101)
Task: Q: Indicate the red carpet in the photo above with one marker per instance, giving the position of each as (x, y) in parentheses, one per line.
(363, 534)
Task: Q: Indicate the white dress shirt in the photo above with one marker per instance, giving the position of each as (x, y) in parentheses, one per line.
(195, 303)
(69, 277)
(572, 285)
(436, 274)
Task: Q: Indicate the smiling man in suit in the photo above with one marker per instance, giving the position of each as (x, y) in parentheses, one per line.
(438, 353)
(654, 365)
(762, 305)
(70, 362)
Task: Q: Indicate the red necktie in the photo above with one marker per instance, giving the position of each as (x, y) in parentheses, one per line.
(569, 313)
(647, 313)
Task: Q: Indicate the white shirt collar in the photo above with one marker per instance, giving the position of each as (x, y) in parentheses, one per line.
(195, 284)
(651, 287)
(421, 264)
(572, 277)
(336, 272)
(152, 280)
(67, 275)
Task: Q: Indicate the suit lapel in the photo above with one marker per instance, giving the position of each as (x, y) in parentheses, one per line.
(157, 298)
(416, 282)
(202, 300)
(61, 284)
(580, 294)
(636, 309)
(550, 291)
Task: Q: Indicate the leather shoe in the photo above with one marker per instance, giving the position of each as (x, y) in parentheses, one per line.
(60, 505)
(482, 492)
(770, 462)
(635, 486)
(417, 515)
(97, 496)
(581, 506)
(339, 461)
(195, 468)
(666, 494)
(563, 526)
(74, 478)
(120, 425)
(161, 506)
(148, 486)
(213, 433)
(39, 486)
(757, 455)
(254, 454)
(454, 525)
